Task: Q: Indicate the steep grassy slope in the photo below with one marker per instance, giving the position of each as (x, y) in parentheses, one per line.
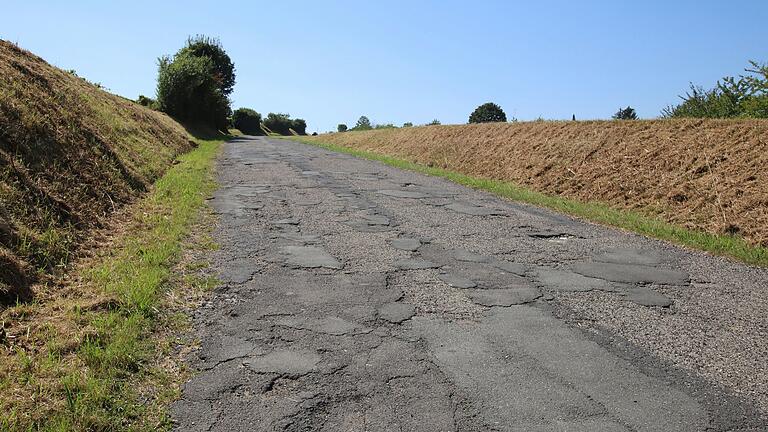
(707, 175)
(70, 155)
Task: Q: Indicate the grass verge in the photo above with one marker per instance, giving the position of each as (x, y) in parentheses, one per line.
(88, 360)
(725, 245)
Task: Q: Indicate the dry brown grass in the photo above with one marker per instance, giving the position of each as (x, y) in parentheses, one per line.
(705, 175)
(71, 154)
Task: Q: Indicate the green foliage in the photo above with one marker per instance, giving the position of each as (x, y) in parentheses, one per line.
(147, 102)
(194, 84)
(363, 123)
(627, 113)
(223, 68)
(247, 121)
(407, 124)
(385, 126)
(300, 126)
(487, 113)
(745, 96)
(282, 124)
(434, 122)
(341, 127)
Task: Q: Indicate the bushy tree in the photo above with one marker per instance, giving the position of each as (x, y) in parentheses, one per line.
(487, 113)
(745, 96)
(194, 84)
(341, 127)
(299, 126)
(407, 124)
(188, 91)
(363, 123)
(223, 68)
(247, 121)
(434, 122)
(385, 126)
(627, 113)
(278, 123)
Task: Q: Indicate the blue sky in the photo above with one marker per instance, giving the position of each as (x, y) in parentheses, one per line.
(397, 61)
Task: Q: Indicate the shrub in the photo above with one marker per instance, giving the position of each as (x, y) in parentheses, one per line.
(487, 113)
(745, 96)
(627, 113)
(147, 102)
(434, 122)
(282, 124)
(341, 127)
(385, 126)
(188, 90)
(300, 126)
(407, 124)
(247, 121)
(278, 123)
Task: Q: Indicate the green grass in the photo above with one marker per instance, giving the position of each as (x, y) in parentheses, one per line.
(726, 245)
(114, 357)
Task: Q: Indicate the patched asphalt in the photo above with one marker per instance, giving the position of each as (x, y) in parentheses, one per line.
(355, 296)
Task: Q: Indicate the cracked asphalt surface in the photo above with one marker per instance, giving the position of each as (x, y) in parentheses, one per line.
(356, 296)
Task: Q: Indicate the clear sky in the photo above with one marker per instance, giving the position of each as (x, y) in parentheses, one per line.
(396, 61)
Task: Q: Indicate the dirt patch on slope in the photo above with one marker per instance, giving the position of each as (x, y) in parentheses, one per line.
(702, 174)
(71, 154)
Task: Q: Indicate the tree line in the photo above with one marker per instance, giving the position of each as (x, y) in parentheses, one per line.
(194, 86)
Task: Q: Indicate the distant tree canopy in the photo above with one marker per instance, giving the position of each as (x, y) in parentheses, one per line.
(627, 113)
(363, 123)
(299, 126)
(193, 85)
(247, 121)
(434, 122)
(407, 124)
(487, 113)
(341, 127)
(745, 96)
(282, 124)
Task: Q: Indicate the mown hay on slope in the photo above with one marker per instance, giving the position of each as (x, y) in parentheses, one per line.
(706, 175)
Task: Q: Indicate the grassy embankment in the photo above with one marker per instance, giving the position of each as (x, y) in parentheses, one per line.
(97, 197)
(96, 358)
(388, 147)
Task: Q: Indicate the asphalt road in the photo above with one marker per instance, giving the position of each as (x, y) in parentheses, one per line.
(356, 296)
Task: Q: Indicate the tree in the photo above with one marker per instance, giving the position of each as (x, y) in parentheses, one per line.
(283, 124)
(278, 123)
(407, 124)
(434, 122)
(363, 123)
(247, 121)
(745, 96)
(487, 113)
(627, 113)
(188, 90)
(147, 102)
(299, 126)
(341, 127)
(223, 68)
